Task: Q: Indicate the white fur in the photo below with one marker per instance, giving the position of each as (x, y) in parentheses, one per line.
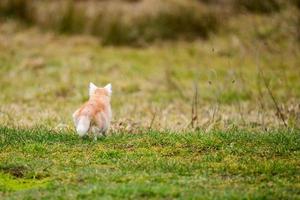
(108, 88)
(92, 88)
(83, 125)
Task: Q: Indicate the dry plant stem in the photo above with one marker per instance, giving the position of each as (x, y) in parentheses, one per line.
(195, 106)
(215, 110)
(152, 119)
(260, 100)
(273, 99)
(260, 76)
(241, 113)
(196, 103)
(217, 96)
(240, 75)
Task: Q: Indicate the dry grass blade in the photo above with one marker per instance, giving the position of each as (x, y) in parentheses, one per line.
(194, 106)
(153, 119)
(266, 84)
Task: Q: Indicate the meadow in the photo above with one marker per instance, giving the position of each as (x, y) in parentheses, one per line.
(42, 164)
(209, 112)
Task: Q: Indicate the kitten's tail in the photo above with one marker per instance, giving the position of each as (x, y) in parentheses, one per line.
(83, 125)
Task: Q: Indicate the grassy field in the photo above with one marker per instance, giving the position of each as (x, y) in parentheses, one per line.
(214, 117)
(37, 164)
(45, 77)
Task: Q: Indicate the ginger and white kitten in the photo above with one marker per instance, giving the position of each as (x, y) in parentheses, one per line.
(95, 114)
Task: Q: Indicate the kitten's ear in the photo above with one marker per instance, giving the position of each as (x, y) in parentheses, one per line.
(108, 88)
(92, 88)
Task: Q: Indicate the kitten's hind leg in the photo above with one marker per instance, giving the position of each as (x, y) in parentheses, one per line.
(96, 131)
(103, 133)
(102, 123)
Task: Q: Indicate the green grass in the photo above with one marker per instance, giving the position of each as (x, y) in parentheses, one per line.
(237, 149)
(45, 77)
(39, 163)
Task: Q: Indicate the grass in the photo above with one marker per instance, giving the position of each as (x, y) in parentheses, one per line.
(216, 165)
(160, 77)
(244, 77)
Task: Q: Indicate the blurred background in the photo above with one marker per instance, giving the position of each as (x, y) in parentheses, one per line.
(137, 22)
(174, 64)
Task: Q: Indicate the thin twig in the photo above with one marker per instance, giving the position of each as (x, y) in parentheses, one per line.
(241, 113)
(270, 92)
(152, 120)
(217, 95)
(194, 116)
(193, 113)
(273, 99)
(260, 99)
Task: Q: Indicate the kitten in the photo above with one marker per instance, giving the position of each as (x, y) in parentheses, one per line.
(95, 115)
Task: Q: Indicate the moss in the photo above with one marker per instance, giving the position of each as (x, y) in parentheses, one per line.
(9, 183)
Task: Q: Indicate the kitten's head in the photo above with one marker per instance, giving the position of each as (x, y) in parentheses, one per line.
(93, 89)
